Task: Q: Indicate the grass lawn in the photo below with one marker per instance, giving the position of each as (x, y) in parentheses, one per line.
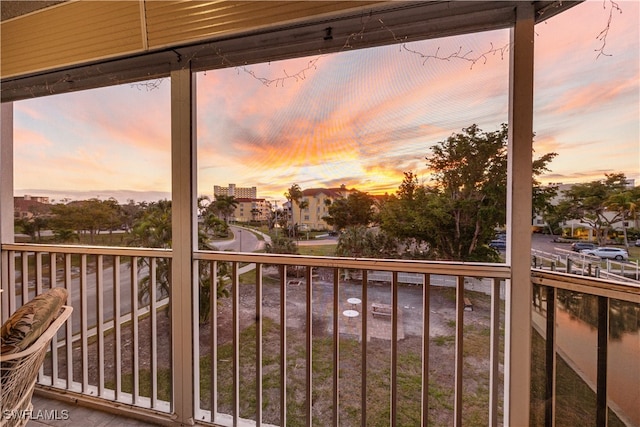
(318, 250)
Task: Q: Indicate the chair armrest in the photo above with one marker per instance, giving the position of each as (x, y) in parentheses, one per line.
(44, 338)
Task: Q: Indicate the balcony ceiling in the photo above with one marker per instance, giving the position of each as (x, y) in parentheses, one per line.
(88, 44)
(14, 9)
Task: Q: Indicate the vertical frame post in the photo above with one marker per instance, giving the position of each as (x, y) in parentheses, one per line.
(6, 196)
(183, 161)
(519, 206)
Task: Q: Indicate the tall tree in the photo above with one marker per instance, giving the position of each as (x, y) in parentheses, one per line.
(455, 217)
(356, 209)
(302, 205)
(599, 204)
(293, 196)
(153, 230)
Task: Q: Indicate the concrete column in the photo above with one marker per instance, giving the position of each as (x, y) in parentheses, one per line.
(519, 205)
(184, 240)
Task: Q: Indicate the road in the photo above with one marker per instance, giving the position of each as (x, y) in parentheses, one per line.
(244, 240)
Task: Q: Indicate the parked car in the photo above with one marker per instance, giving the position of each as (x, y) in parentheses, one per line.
(638, 242)
(579, 246)
(498, 244)
(607, 252)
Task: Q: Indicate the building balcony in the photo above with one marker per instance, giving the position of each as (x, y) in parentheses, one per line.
(299, 340)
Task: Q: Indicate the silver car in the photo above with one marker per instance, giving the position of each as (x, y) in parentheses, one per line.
(606, 252)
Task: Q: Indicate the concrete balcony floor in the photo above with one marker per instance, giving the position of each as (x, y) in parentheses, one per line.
(78, 416)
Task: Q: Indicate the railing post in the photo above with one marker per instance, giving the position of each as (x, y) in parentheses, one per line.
(519, 204)
(603, 341)
(183, 161)
(550, 358)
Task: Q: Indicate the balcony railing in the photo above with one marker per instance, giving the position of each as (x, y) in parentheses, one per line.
(586, 338)
(308, 340)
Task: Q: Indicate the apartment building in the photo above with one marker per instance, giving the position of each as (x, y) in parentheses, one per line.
(576, 226)
(29, 206)
(317, 202)
(251, 209)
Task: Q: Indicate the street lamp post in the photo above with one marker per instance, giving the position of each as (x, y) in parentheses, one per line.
(240, 238)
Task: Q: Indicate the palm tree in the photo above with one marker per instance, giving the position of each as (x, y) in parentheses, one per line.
(293, 195)
(225, 206)
(303, 205)
(153, 230)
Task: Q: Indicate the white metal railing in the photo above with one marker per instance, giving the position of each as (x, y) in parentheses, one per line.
(586, 265)
(314, 307)
(279, 350)
(99, 353)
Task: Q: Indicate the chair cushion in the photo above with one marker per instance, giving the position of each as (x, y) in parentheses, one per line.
(29, 321)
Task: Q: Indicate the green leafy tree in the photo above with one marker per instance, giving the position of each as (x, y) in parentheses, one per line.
(351, 243)
(282, 245)
(130, 212)
(26, 226)
(600, 203)
(413, 215)
(455, 217)
(361, 241)
(625, 203)
(356, 209)
(88, 216)
(470, 179)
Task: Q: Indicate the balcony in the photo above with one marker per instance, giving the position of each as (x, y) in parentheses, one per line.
(330, 341)
(296, 340)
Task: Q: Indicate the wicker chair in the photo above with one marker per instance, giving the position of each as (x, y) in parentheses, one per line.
(19, 372)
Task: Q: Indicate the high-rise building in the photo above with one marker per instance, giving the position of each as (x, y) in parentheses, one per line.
(237, 192)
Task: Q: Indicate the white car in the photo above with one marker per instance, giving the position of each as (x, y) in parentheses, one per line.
(606, 252)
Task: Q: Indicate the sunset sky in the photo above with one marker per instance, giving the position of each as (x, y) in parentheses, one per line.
(358, 117)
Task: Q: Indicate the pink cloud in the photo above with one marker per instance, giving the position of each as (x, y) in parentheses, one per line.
(594, 95)
(27, 137)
